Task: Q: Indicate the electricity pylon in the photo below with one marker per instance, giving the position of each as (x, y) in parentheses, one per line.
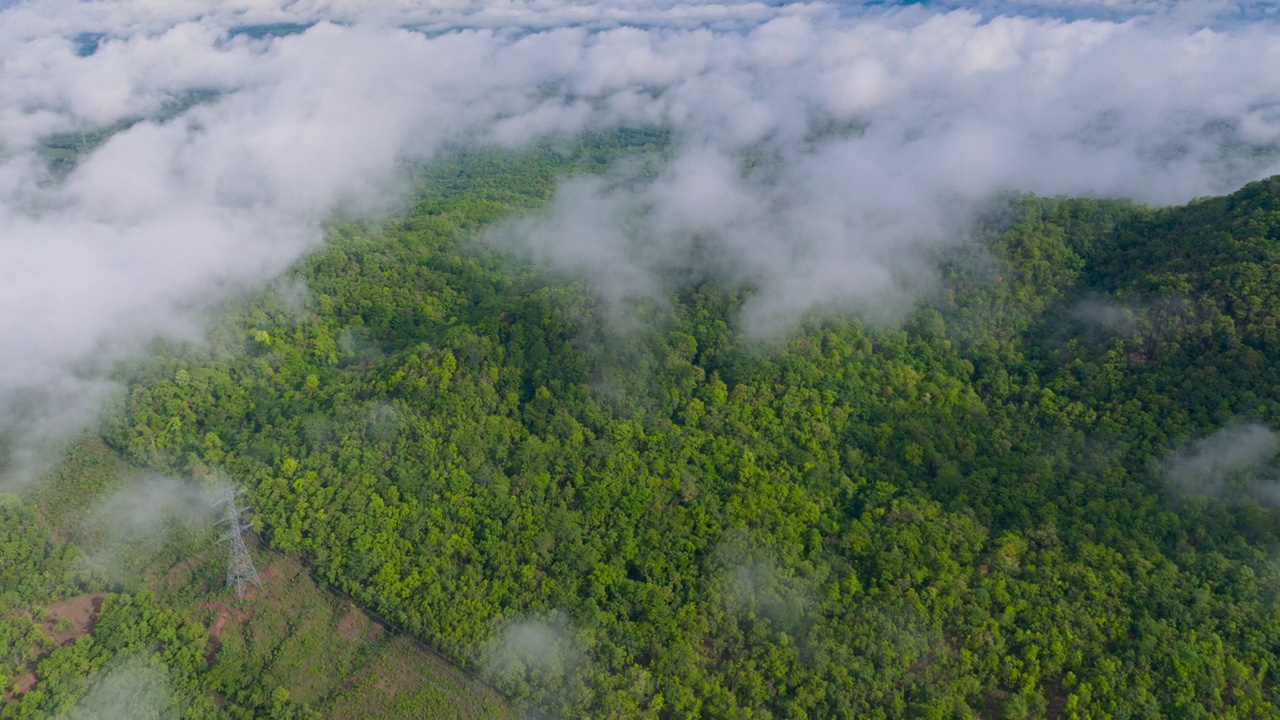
(240, 569)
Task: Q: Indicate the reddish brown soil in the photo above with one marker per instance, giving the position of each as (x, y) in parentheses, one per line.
(354, 625)
(223, 612)
(81, 611)
(25, 682)
(270, 575)
(215, 637)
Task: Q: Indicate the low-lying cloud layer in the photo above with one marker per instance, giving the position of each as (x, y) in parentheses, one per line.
(876, 131)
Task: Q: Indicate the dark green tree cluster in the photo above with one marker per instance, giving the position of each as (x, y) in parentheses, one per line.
(34, 567)
(961, 515)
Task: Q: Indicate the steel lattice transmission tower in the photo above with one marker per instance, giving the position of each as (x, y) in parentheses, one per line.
(240, 569)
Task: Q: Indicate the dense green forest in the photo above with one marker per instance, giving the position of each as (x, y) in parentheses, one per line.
(972, 512)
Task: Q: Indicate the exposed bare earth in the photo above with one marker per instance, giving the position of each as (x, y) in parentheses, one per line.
(82, 613)
(354, 625)
(67, 621)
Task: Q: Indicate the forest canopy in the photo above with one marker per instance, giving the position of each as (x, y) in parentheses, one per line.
(1047, 489)
(639, 359)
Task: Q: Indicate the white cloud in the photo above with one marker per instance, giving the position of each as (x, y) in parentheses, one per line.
(880, 128)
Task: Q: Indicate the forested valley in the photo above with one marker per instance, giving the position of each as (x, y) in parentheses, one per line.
(1049, 490)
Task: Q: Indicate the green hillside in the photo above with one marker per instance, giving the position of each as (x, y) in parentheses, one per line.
(101, 621)
(998, 508)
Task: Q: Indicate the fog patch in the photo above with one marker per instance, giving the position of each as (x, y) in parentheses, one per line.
(753, 587)
(1097, 312)
(383, 421)
(149, 510)
(1237, 460)
(537, 658)
(135, 687)
(792, 233)
(143, 507)
(37, 420)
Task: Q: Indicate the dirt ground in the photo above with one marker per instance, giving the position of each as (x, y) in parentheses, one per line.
(68, 620)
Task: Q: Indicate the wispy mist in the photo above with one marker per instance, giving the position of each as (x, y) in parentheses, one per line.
(1236, 460)
(146, 505)
(536, 653)
(138, 515)
(132, 687)
(820, 151)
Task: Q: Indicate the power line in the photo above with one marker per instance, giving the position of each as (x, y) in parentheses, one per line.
(240, 568)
